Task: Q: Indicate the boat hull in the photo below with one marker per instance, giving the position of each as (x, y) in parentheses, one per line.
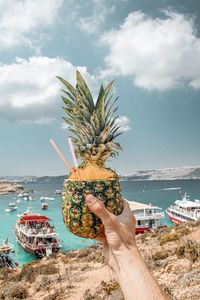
(39, 253)
(173, 219)
(142, 230)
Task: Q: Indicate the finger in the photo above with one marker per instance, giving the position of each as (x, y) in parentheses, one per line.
(98, 208)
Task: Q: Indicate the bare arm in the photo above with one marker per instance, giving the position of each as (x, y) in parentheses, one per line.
(122, 255)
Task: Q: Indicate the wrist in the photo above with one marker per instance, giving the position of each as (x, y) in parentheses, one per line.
(125, 259)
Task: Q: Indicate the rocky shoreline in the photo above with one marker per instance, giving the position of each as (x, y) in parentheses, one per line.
(7, 188)
(172, 255)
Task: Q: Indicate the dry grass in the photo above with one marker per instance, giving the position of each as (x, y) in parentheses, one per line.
(169, 238)
(14, 291)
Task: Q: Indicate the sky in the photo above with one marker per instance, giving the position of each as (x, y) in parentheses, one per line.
(151, 48)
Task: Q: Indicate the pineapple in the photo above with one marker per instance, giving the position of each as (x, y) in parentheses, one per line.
(94, 130)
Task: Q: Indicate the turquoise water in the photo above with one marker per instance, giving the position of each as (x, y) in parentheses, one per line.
(161, 193)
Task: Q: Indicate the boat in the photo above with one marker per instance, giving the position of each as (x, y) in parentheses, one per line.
(28, 212)
(44, 206)
(184, 210)
(6, 259)
(22, 195)
(147, 216)
(28, 198)
(36, 235)
(58, 192)
(11, 207)
(42, 199)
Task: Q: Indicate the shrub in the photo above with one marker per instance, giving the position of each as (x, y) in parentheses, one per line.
(168, 238)
(160, 255)
(191, 249)
(180, 251)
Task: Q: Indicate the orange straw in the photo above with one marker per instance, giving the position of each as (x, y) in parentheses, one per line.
(61, 155)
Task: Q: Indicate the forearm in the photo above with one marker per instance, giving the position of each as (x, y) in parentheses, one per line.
(135, 279)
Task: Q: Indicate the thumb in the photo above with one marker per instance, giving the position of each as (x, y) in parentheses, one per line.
(98, 208)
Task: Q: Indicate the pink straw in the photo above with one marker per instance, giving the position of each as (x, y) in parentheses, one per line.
(73, 155)
(60, 154)
(73, 152)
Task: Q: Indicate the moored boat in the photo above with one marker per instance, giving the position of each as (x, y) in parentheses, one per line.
(147, 216)
(11, 207)
(44, 206)
(58, 192)
(36, 235)
(184, 210)
(6, 259)
(42, 199)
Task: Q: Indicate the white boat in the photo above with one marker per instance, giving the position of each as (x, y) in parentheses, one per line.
(58, 192)
(184, 210)
(11, 207)
(147, 216)
(28, 198)
(42, 199)
(28, 212)
(22, 195)
(6, 260)
(36, 235)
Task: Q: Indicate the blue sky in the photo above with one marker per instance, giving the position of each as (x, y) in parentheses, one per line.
(151, 47)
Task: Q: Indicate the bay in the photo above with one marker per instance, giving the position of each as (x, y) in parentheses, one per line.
(162, 193)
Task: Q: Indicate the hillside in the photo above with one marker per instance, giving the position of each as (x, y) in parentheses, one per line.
(172, 255)
(165, 174)
(9, 188)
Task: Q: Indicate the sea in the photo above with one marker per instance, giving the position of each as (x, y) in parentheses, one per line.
(161, 193)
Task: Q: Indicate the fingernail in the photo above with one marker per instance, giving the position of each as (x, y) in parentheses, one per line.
(90, 199)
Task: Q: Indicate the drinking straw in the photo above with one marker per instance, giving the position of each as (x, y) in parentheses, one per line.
(73, 155)
(60, 154)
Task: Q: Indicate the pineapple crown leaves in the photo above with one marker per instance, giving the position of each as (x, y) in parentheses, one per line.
(93, 126)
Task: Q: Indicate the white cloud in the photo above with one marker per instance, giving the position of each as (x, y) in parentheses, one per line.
(29, 90)
(20, 21)
(94, 22)
(157, 53)
(124, 123)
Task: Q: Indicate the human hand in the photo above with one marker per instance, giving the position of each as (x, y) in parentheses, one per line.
(119, 239)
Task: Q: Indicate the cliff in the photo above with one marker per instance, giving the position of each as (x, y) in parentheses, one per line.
(10, 188)
(172, 255)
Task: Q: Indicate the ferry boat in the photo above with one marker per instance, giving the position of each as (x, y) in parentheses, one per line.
(147, 216)
(36, 235)
(184, 210)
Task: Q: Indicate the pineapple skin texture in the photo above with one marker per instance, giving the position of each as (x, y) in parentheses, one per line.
(77, 216)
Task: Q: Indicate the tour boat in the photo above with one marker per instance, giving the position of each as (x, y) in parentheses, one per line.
(44, 206)
(11, 207)
(147, 216)
(36, 235)
(184, 210)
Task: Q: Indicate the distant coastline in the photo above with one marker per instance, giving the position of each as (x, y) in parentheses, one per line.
(7, 188)
(183, 173)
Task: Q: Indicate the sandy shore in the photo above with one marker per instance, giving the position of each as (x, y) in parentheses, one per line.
(7, 188)
(172, 255)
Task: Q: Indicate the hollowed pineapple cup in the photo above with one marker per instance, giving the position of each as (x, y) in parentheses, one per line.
(77, 216)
